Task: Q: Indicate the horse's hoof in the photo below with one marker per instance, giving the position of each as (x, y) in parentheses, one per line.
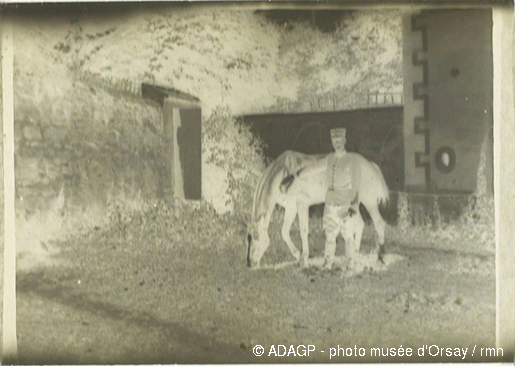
(381, 254)
(296, 255)
(380, 257)
(328, 265)
(356, 267)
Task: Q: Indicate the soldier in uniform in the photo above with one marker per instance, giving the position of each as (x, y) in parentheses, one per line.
(341, 200)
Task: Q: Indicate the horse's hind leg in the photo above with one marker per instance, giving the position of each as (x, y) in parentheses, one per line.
(303, 211)
(290, 211)
(380, 226)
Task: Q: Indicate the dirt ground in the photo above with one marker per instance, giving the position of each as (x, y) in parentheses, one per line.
(165, 288)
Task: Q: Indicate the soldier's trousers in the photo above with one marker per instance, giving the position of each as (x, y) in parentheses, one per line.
(339, 219)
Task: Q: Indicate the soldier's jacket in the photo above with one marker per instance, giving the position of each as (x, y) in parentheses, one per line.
(342, 180)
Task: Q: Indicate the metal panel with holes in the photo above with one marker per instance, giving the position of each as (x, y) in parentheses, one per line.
(448, 99)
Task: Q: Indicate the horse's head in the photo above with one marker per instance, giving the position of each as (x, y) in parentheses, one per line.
(257, 242)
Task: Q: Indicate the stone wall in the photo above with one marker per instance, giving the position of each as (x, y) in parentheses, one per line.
(79, 142)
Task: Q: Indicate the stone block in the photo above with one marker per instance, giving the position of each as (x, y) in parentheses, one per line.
(26, 171)
(18, 132)
(56, 133)
(32, 132)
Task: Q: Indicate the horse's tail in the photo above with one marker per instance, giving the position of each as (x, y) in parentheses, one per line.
(382, 191)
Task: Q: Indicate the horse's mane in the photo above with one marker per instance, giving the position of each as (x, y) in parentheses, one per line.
(264, 190)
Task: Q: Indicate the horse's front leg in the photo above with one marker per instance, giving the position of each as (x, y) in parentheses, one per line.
(290, 211)
(303, 211)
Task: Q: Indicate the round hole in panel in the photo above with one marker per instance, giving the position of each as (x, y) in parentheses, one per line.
(445, 159)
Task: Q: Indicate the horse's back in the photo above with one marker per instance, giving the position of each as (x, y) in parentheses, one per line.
(295, 160)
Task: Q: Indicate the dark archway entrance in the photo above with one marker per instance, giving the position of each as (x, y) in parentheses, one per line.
(376, 133)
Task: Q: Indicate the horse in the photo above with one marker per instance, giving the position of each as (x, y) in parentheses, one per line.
(304, 192)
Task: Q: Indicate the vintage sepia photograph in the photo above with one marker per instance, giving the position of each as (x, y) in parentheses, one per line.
(250, 183)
